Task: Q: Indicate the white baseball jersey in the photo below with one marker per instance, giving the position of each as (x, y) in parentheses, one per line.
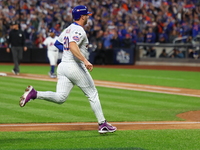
(49, 42)
(77, 34)
(71, 71)
(52, 51)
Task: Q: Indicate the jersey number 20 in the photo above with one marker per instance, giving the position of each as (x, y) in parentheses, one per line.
(66, 43)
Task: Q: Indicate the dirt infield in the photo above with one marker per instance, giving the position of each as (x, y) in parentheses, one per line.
(192, 118)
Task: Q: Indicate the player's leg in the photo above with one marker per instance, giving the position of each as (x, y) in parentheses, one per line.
(86, 84)
(54, 61)
(56, 58)
(63, 88)
(51, 58)
(83, 80)
(20, 56)
(15, 60)
(91, 92)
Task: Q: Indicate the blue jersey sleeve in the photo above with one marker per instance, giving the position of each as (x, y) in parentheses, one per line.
(58, 45)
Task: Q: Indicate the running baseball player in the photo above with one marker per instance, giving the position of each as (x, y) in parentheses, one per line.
(73, 70)
(52, 51)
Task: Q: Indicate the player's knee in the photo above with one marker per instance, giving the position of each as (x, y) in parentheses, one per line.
(61, 99)
(93, 97)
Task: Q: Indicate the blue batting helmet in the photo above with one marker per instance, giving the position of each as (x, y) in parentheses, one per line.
(52, 30)
(78, 11)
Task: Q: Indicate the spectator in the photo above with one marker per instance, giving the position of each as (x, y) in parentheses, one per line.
(34, 22)
(190, 53)
(190, 48)
(163, 54)
(2, 34)
(57, 28)
(42, 28)
(32, 36)
(127, 41)
(151, 52)
(195, 28)
(115, 40)
(39, 41)
(100, 54)
(150, 37)
(179, 54)
(107, 40)
(137, 16)
(196, 55)
(172, 36)
(173, 55)
(99, 36)
(163, 37)
(122, 31)
(140, 37)
(3, 29)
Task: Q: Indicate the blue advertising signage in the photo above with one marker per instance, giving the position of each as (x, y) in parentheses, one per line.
(123, 56)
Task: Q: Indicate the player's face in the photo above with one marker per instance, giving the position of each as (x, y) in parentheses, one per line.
(16, 27)
(85, 18)
(51, 34)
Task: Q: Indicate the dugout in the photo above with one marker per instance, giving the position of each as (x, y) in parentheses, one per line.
(179, 54)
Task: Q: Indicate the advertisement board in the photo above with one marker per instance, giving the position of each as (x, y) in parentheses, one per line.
(123, 56)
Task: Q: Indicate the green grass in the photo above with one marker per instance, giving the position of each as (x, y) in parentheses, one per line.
(182, 79)
(118, 105)
(90, 140)
(133, 105)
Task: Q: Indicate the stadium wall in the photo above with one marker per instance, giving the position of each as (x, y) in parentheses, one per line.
(135, 55)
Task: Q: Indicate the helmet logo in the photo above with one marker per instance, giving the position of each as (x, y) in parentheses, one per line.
(81, 10)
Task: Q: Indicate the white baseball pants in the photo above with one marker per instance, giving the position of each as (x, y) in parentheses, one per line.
(69, 74)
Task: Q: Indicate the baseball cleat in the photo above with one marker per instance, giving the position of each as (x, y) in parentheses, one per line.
(52, 75)
(106, 127)
(29, 94)
(14, 72)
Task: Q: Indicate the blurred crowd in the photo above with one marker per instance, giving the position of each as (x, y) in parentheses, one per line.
(114, 23)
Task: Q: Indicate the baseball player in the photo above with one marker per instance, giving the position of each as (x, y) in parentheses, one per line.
(73, 70)
(52, 51)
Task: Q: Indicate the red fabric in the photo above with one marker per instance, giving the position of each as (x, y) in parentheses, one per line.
(24, 6)
(125, 6)
(115, 11)
(189, 6)
(39, 40)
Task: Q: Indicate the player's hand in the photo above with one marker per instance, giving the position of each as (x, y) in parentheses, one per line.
(8, 50)
(88, 65)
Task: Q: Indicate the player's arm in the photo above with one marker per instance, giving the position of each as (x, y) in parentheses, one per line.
(58, 45)
(76, 52)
